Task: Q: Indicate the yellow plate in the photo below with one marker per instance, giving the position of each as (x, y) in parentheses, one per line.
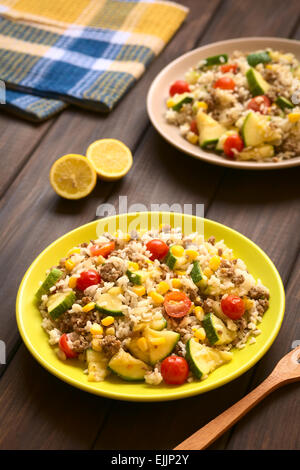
(36, 340)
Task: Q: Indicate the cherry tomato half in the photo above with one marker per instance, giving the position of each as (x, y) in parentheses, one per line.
(64, 347)
(226, 83)
(260, 104)
(174, 370)
(180, 86)
(104, 250)
(233, 307)
(177, 304)
(233, 142)
(158, 248)
(194, 127)
(228, 68)
(87, 279)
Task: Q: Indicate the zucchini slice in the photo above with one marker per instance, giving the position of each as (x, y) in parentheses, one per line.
(109, 304)
(253, 130)
(128, 367)
(59, 303)
(161, 343)
(257, 153)
(256, 82)
(215, 60)
(170, 259)
(50, 281)
(97, 365)
(209, 130)
(203, 359)
(196, 272)
(283, 103)
(181, 99)
(255, 58)
(136, 277)
(216, 331)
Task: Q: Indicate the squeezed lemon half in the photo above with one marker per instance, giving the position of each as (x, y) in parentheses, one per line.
(73, 176)
(110, 158)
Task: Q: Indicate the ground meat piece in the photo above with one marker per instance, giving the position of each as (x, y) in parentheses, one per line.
(212, 240)
(76, 322)
(262, 305)
(84, 245)
(79, 342)
(178, 351)
(194, 296)
(110, 345)
(208, 305)
(109, 272)
(220, 251)
(258, 292)
(238, 279)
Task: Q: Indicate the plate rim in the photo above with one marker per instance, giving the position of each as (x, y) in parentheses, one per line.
(211, 157)
(177, 394)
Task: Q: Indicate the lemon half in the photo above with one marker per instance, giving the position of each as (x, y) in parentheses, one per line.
(72, 176)
(110, 158)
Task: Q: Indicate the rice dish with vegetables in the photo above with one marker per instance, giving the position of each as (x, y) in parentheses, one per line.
(154, 306)
(242, 106)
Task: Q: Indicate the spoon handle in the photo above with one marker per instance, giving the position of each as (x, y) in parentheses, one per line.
(215, 428)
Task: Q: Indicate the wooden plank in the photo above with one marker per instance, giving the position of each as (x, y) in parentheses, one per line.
(169, 423)
(263, 427)
(31, 199)
(18, 139)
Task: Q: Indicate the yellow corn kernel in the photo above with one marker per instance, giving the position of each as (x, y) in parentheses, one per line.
(196, 339)
(72, 282)
(177, 250)
(191, 307)
(170, 103)
(96, 344)
(73, 251)
(163, 287)
(214, 262)
(100, 260)
(149, 261)
(107, 320)
(248, 303)
(180, 272)
(202, 105)
(139, 326)
(142, 344)
(176, 283)
(208, 272)
(294, 117)
(191, 254)
(126, 237)
(192, 138)
(69, 264)
(157, 341)
(115, 291)
(200, 333)
(110, 331)
(96, 329)
(133, 266)
(139, 290)
(156, 297)
(269, 66)
(88, 307)
(199, 312)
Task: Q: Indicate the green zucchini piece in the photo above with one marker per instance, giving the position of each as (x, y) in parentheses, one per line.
(284, 103)
(196, 272)
(158, 352)
(216, 331)
(215, 60)
(203, 359)
(128, 367)
(257, 84)
(170, 260)
(253, 130)
(258, 58)
(59, 303)
(158, 324)
(97, 365)
(50, 281)
(209, 130)
(110, 305)
(136, 277)
(260, 152)
(180, 100)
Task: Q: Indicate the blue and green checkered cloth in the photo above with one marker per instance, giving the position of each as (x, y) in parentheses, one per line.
(85, 52)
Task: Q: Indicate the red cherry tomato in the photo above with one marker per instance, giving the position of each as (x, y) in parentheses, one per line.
(260, 104)
(64, 346)
(87, 279)
(103, 250)
(180, 86)
(233, 307)
(194, 127)
(158, 248)
(233, 142)
(177, 304)
(228, 68)
(174, 370)
(226, 83)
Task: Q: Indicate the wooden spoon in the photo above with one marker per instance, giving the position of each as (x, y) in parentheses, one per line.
(286, 371)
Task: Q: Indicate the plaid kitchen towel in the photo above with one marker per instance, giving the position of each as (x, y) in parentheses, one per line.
(85, 52)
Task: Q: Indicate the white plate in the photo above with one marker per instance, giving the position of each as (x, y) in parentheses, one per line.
(159, 91)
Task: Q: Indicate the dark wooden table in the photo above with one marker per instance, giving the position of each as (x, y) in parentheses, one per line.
(38, 411)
